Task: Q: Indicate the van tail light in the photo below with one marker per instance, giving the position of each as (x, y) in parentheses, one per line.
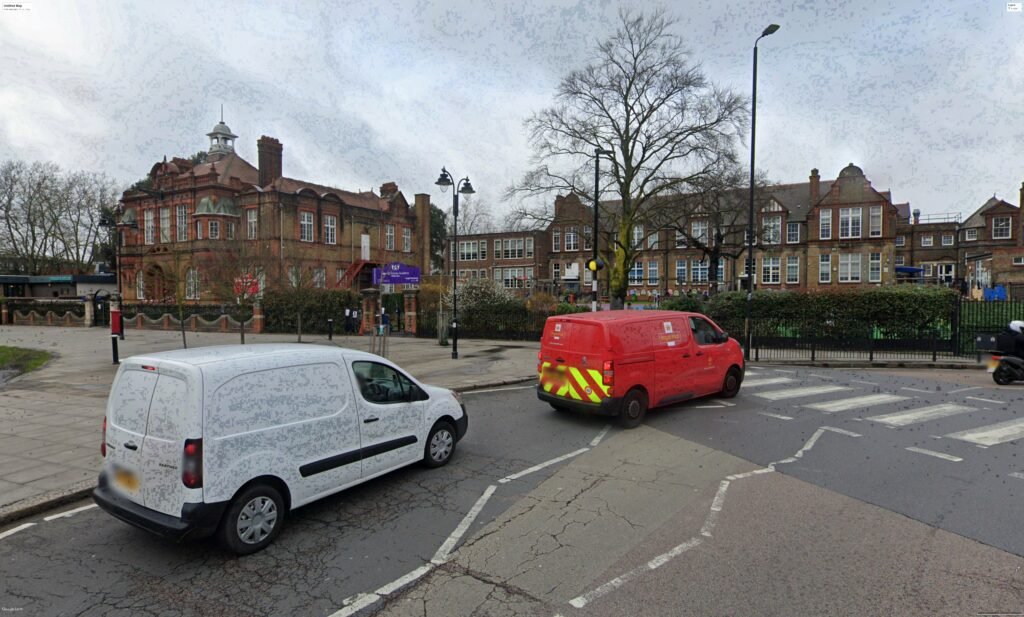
(192, 464)
(608, 373)
(103, 444)
(540, 363)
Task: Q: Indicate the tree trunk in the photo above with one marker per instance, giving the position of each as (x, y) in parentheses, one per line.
(241, 327)
(299, 324)
(181, 323)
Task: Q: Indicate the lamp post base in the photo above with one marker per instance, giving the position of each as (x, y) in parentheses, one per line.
(455, 355)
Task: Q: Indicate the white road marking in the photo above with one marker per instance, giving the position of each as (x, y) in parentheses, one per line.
(498, 390)
(709, 523)
(14, 530)
(708, 406)
(782, 370)
(359, 602)
(1018, 475)
(774, 415)
(965, 389)
(446, 548)
(726, 403)
(992, 434)
(917, 390)
(867, 383)
(767, 381)
(985, 400)
(600, 436)
(922, 414)
(842, 431)
(778, 395)
(540, 466)
(826, 377)
(400, 582)
(70, 512)
(857, 402)
(942, 455)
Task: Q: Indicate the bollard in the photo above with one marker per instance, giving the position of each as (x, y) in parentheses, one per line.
(113, 347)
(330, 329)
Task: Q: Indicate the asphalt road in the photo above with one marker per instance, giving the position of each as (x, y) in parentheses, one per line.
(853, 522)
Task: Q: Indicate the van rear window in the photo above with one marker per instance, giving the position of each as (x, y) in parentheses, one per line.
(129, 400)
(577, 336)
(167, 412)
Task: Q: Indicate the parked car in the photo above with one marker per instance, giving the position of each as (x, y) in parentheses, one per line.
(620, 363)
(228, 440)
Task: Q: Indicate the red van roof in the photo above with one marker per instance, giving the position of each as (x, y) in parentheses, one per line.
(621, 316)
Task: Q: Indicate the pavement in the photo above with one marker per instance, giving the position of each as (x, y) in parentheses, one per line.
(50, 419)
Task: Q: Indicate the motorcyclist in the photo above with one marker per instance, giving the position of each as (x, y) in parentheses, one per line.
(1017, 328)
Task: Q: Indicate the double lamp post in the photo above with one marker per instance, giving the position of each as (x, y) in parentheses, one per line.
(463, 187)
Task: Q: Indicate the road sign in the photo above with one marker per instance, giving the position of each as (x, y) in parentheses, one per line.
(396, 274)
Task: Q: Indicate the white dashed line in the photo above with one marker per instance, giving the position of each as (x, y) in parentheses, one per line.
(767, 381)
(857, 402)
(600, 436)
(942, 455)
(826, 377)
(1018, 475)
(913, 416)
(70, 512)
(917, 390)
(14, 530)
(842, 431)
(774, 415)
(985, 400)
(708, 406)
(867, 383)
(965, 389)
(540, 466)
(993, 434)
(778, 395)
(782, 370)
(498, 390)
(446, 548)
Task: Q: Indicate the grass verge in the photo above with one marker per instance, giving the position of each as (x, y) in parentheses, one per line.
(22, 360)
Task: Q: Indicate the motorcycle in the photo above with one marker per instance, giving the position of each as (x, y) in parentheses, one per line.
(1006, 369)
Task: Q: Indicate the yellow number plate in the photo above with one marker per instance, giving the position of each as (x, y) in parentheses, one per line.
(992, 364)
(126, 480)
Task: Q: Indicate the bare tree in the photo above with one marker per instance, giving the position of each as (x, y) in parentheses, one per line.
(475, 216)
(643, 99)
(239, 272)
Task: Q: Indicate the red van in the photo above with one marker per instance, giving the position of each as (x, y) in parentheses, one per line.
(619, 363)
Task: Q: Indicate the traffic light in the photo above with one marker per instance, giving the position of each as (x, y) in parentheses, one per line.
(595, 264)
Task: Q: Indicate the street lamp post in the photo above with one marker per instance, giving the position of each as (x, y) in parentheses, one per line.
(464, 187)
(750, 265)
(594, 235)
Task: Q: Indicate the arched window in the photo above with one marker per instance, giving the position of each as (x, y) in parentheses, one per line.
(192, 284)
(140, 285)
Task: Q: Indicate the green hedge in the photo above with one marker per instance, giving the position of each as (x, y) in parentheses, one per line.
(565, 308)
(281, 309)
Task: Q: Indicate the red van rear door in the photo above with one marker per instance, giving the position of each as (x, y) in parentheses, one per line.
(572, 355)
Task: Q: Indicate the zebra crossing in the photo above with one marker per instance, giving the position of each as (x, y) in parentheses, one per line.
(914, 412)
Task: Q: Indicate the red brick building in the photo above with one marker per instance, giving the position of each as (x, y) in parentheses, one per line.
(200, 227)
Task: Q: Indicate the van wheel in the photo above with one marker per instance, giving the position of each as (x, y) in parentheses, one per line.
(634, 408)
(440, 445)
(253, 520)
(731, 385)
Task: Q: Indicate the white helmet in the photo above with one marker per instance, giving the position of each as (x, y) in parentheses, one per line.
(1017, 326)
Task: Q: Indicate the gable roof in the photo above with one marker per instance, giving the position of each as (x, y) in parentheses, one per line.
(978, 218)
(366, 199)
(227, 166)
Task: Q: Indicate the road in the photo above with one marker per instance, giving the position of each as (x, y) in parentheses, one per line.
(815, 491)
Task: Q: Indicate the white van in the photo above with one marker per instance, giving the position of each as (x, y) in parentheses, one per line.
(227, 440)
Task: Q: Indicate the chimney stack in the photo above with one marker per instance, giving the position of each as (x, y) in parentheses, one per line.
(917, 216)
(815, 187)
(423, 215)
(269, 150)
(388, 189)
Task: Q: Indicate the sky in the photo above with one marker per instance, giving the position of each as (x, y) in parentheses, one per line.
(923, 96)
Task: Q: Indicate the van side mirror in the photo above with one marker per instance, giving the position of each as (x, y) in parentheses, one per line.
(723, 337)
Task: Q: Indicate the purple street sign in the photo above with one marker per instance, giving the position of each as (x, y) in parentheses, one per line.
(396, 274)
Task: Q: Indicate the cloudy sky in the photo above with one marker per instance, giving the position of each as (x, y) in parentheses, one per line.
(924, 96)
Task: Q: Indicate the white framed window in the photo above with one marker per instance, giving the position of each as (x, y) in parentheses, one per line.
(230, 231)
(929, 270)
(971, 235)
(652, 273)
(927, 241)
(680, 270)
(899, 260)
(483, 274)
(320, 277)
(588, 276)
(875, 268)
(638, 237)
(947, 239)
(849, 268)
(199, 229)
(825, 225)
(636, 273)
(140, 285)
(513, 248)
(181, 223)
(572, 239)
(944, 272)
(680, 240)
(330, 229)
(771, 270)
(792, 233)
(556, 240)
(588, 238)
(192, 284)
(468, 250)
(497, 249)
(215, 230)
(407, 242)
(165, 225)
(824, 268)
(773, 230)
(750, 268)
(792, 269)
(652, 241)
(529, 247)
(293, 276)
(306, 227)
(251, 226)
(699, 270)
(699, 232)
(900, 241)
(1018, 261)
(721, 269)
(875, 224)
(150, 226)
(389, 238)
(1001, 228)
(556, 271)
(849, 223)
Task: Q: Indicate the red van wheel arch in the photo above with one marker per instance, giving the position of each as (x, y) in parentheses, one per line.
(731, 383)
(634, 408)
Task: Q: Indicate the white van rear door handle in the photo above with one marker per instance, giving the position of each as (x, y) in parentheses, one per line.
(131, 445)
(368, 420)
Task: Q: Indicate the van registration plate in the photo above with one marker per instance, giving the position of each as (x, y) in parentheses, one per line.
(126, 480)
(554, 376)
